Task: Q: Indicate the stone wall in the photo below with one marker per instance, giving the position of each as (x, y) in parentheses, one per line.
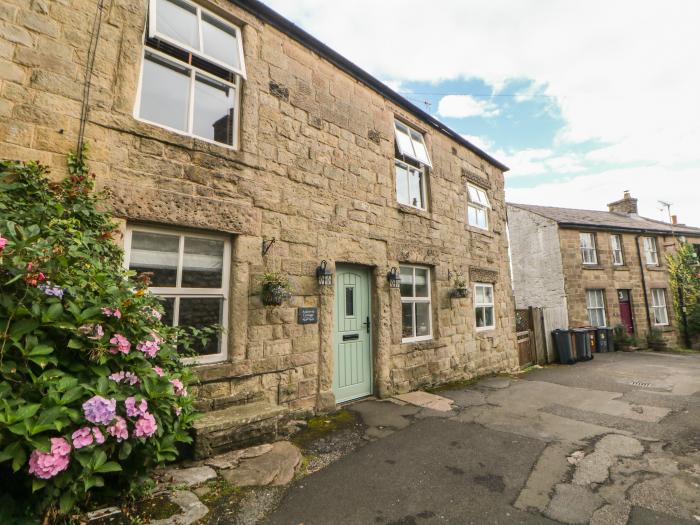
(538, 275)
(314, 170)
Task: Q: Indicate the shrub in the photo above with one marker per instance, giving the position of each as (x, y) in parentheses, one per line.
(655, 340)
(92, 391)
(622, 339)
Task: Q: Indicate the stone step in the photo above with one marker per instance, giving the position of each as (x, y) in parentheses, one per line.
(217, 403)
(237, 426)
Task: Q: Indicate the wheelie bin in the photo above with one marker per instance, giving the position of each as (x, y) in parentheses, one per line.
(563, 345)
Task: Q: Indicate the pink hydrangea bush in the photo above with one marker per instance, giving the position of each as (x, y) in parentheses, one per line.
(79, 408)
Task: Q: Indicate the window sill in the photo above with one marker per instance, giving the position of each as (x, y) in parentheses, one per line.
(481, 332)
(592, 267)
(622, 267)
(425, 344)
(207, 372)
(480, 231)
(404, 208)
(654, 268)
(202, 142)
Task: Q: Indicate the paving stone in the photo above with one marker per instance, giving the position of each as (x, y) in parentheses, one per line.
(573, 504)
(188, 476)
(620, 446)
(656, 495)
(549, 471)
(427, 400)
(192, 509)
(231, 459)
(594, 468)
(466, 398)
(275, 467)
(612, 515)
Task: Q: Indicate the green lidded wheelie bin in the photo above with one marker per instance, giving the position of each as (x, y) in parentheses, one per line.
(582, 343)
(611, 339)
(563, 345)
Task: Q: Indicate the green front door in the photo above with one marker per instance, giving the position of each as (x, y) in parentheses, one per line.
(352, 349)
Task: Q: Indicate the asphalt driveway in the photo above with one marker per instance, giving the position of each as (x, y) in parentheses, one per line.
(612, 441)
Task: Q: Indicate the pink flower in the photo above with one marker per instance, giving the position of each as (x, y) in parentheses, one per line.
(82, 438)
(150, 348)
(99, 436)
(145, 426)
(127, 377)
(132, 410)
(120, 344)
(46, 465)
(92, 331)
(3, 243)
(159, 371)
(118, 430)
(99, 410)
(178, 411)
(180, 389)
(153, 313)
(112, 312)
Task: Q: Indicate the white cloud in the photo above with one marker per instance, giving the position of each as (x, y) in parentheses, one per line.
(482, 143)
(462, 106)
(648, 185)
(539, 161)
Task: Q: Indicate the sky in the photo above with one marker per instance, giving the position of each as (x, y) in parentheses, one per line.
(581, 100)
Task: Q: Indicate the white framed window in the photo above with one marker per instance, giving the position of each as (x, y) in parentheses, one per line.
(650, 252)
(410, 143)
(588, 249)
(484, 307)
(191, 73)
(410, 185)
(595, 303)
(616, 248)
(478, 207)
(658, 307)
(416, 311)
(190, 272)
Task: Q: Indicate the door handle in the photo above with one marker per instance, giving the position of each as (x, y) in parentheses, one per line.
(367, 324)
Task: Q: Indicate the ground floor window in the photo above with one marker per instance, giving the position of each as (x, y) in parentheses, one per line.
(416, 317)
(189, 271)
(595, 302)
(483, 306)
(658, 307)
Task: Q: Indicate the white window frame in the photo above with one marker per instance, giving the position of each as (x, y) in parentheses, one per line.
(589, 253)
(618, 256)
(153, 33)
(485, 305)
(413, 300)
(194, 71)
(195, 293)
(658, 304)
(599, 305)
(408, 142)
(651, 253)
(408, 169)
(480, 203)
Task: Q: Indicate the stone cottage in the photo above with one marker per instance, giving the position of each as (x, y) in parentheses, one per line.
(600, 268)
(232, 144)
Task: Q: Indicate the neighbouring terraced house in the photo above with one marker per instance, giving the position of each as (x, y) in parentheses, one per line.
(596, 268)
(232, 143)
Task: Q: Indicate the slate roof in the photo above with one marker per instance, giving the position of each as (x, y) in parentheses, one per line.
(606, 219)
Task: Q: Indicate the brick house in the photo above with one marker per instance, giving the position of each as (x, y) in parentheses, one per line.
(231, 143)
(600, 268)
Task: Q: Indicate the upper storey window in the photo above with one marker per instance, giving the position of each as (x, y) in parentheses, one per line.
(410, 143)
(192, 70)
(589, 253)
(478, 207)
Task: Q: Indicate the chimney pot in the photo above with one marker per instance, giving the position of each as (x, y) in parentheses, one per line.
(674, 219)
(627, 195)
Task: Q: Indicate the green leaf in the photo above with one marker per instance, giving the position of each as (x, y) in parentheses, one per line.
(23, 327)
(40, 350)
(70, 396)
(54, 312)
(19, 456)
(27, 411)
(99, 458)
(125, 450)
(38, 484)
(110, 466)
(75, 343)
(66, 502)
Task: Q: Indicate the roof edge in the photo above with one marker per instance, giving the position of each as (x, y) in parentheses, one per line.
(287, 27)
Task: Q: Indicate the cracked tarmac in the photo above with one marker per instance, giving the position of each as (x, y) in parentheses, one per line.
(612, 441)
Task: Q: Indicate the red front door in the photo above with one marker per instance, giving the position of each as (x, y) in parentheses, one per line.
(626, 310)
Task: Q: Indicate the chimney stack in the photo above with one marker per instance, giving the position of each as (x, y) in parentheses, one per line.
(626, 205)
(674, 219)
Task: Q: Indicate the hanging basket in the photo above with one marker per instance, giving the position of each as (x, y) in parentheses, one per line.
(274, 295)
(460, 292)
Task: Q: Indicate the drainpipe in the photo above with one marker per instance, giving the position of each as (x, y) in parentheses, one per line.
(644, 282)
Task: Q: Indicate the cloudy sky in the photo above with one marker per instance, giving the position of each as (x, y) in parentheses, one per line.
(582, 100)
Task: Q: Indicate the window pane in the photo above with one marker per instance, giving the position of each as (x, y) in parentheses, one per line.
(349, 301)
(178, 21)
(213, 110)
(480, 320)
(415, 182)
(169, 313)
(406, 281)
(488, 295)
(202, 263)
(406, 320)
(419, 148)
(422, 319)
(201, 312)
(220, 41)
(403, 141)
(471, 215)
(402, 194)
(481, 218)
(164, 92)
(488, 316)
(422, 282)
(156, 253)
(479, 299)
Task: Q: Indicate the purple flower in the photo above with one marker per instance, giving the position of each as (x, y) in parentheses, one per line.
(127, 377)
(99, 410)
(49, 289)
(82, 437)
(145, 426)
(134, 410)
(118, 430)
(120, 344)
(150, 348)
(46, 465)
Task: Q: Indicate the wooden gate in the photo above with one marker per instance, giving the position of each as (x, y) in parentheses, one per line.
(525, 353)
